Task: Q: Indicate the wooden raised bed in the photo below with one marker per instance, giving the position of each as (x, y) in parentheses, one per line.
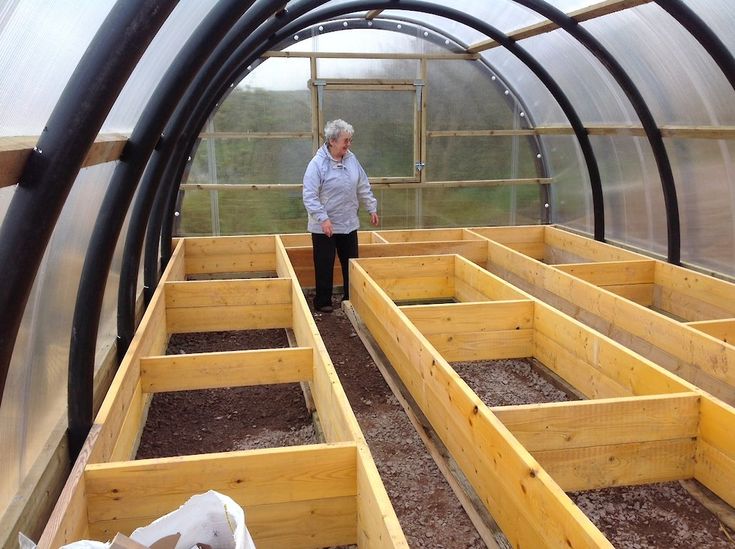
(304, 496)
(641, 424)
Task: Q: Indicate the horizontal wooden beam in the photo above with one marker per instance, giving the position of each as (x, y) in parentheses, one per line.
(721, 329)
(14, 152)
(606, 273)
(584, 14)
(377, 183)
(255, 135)
(217, 293)
(621, 464)
(368, 55)
(455, 318)
(227, 369)
(151, 487)
(138, 492)
(229, 254)
(603, 422)
(214, 305)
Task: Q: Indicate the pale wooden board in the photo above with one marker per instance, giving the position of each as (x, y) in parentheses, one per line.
(68, 521)
(706, 295)
(721, 329)
(242, 317)
(474, 282)
(717, 425)
(295, 524)
(596, 467)
(642, 294)
(459, 347)
(377, 524)
(589, 423)
(471, 317)
(132, 427)
(637, 374)
(581, 246)
(421, 235)
(498, 467)
(217, 293)
(229, 254)
(610, 273)
(716, 470)
(147, 487)
(225, 369)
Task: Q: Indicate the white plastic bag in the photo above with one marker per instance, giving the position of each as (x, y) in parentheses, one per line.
(210, 518)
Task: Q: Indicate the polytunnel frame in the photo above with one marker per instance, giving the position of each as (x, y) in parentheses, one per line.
(62, 168)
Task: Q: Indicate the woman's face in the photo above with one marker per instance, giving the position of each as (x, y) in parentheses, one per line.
(341, 145)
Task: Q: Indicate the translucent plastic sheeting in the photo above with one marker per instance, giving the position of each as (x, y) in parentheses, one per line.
(41, 43)
(34, 401)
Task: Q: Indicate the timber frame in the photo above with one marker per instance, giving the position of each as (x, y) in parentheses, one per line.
(301, 496)
(641, 422)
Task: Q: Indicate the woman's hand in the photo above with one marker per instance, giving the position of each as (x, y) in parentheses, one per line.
(374, 220)
(327, 227)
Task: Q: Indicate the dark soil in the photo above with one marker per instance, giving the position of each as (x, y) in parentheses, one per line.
(195, 422)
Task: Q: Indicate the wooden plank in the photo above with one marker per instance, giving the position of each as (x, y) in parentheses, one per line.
(472, 281)
(377, 524)
(216, 293)
(703, 297)
(596, 467)
(591, 250)
(610, 273)
(225, 369)
(721, 329)
(638, 375)
(459, 347)
(642, 294)
(717, 425)
(335, 414)
(227, 254)
(471, 317)
(517, 491)
(438, 266)
(149, 339)
(293, 524)
(149, 487)
(421, 235)
(68, 521)
(716, 470)
(128, 437)
(14, 153)
(242, 317)
(587, 423)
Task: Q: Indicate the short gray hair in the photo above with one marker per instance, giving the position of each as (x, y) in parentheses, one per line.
(334, 128)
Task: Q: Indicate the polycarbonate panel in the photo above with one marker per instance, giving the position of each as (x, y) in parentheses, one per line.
(679, 81)
(41, 43)
(263, 211)
(472, 158)
(195, 217)
(155, 61)
(571, 200)
(34, 401)
(635, 212)
(703, 170)
(481, 104)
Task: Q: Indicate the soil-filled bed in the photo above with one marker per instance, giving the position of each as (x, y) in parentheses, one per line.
(223, 420)
(662, 515)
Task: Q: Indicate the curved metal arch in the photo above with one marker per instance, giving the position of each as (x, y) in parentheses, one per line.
(114, 208)
(52, 168)
(653, 133)
(580, 131)
(148, 196)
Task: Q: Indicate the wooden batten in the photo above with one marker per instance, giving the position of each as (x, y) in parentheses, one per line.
(715, 465)
(230, 254)
(528, 240)
(692, 296)
(721, 329)
(211, 305)
(121, 494)
(476, 331)
(225, 369)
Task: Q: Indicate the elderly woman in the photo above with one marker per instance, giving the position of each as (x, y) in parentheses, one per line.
(334, 184)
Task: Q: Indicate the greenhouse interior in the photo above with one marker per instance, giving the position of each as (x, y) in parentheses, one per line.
(530, 346)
